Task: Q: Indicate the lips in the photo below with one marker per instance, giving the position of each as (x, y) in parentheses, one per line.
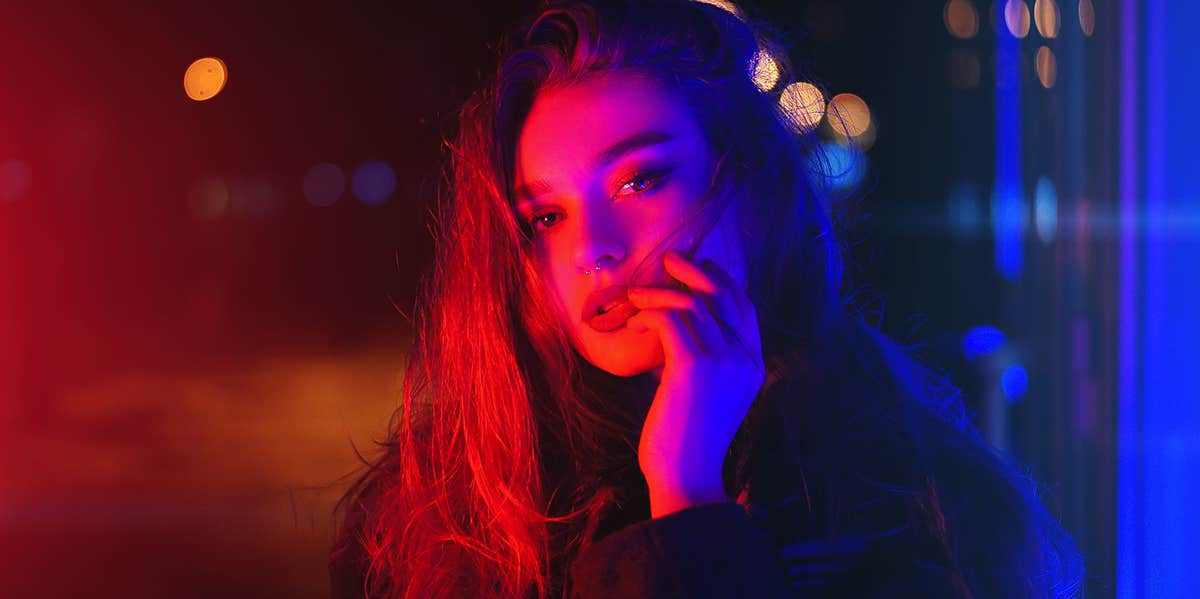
(614, 318)
(614, 301)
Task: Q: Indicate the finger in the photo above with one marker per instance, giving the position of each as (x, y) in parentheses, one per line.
(689, 274)
(677, 340)
(729, 312)
(658, 297)
(701, 319)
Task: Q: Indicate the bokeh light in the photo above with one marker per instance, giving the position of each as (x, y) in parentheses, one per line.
(962, 20)
(981, 341)
(804, 104)
(1045, 210)
(962, 68)
(842, 165)
(1047, 67)
(725, 4)
(209, 198)
(867, 139)
(1087, 17)
(1014, 382)
(964, 209)
(1045, 17)
(1016, 17)
(766, 71)
(205, 78)
(849, 115)
(324, 184)
(1009, 219)
(373, 182)
(15, 179)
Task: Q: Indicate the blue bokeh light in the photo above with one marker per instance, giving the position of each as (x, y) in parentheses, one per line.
(842, 164)
(1046, 210)
(374, 181)
(982, 340)
(964, 209)
(324, 184)
(1014, 382)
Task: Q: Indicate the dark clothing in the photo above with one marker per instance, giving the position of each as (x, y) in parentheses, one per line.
(788, 535)
(704, 551)
(716, 550)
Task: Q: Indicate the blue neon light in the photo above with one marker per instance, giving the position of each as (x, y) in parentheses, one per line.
(1008, 213)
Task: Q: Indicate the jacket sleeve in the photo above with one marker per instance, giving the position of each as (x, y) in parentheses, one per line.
(710, 550)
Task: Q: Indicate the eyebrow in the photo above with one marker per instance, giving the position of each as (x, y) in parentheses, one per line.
(602, 159)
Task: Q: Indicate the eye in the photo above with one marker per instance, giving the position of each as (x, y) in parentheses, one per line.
(542, 219)
(639, 183)
(642, 182)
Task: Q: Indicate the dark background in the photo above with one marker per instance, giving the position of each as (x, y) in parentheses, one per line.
(180, 390)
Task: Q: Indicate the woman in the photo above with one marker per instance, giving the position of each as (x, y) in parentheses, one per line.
(635, 373)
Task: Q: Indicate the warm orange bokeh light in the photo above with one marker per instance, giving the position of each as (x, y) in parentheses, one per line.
(1047, 67)
(1087, 17)
(849, 115)
(205, 78)
(726, 4)
(804, 104)
(867, 139)
(1016, 17)
(962, 20)
(766, 71)
(1045, 16)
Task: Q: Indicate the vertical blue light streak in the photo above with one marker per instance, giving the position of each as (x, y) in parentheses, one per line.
(1129, 418)
(1008, 218)
(1171, 414)
(1155, 473)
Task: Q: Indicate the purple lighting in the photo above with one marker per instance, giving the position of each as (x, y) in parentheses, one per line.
(374, 182)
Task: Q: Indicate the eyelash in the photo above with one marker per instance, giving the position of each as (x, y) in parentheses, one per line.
(656, 180)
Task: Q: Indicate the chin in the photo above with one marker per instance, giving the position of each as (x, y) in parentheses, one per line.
(622, 353)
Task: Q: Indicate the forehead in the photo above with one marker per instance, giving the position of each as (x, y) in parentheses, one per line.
(567, 127)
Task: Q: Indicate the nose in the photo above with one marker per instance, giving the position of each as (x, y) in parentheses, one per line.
(598, 245)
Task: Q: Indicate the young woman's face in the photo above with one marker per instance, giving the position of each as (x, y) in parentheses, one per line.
(606, 170)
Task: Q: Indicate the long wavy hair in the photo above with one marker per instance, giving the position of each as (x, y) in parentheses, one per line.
(508, 446)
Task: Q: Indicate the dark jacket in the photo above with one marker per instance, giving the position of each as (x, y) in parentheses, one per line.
(775, 540)
(721, 550)
(716, 550)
